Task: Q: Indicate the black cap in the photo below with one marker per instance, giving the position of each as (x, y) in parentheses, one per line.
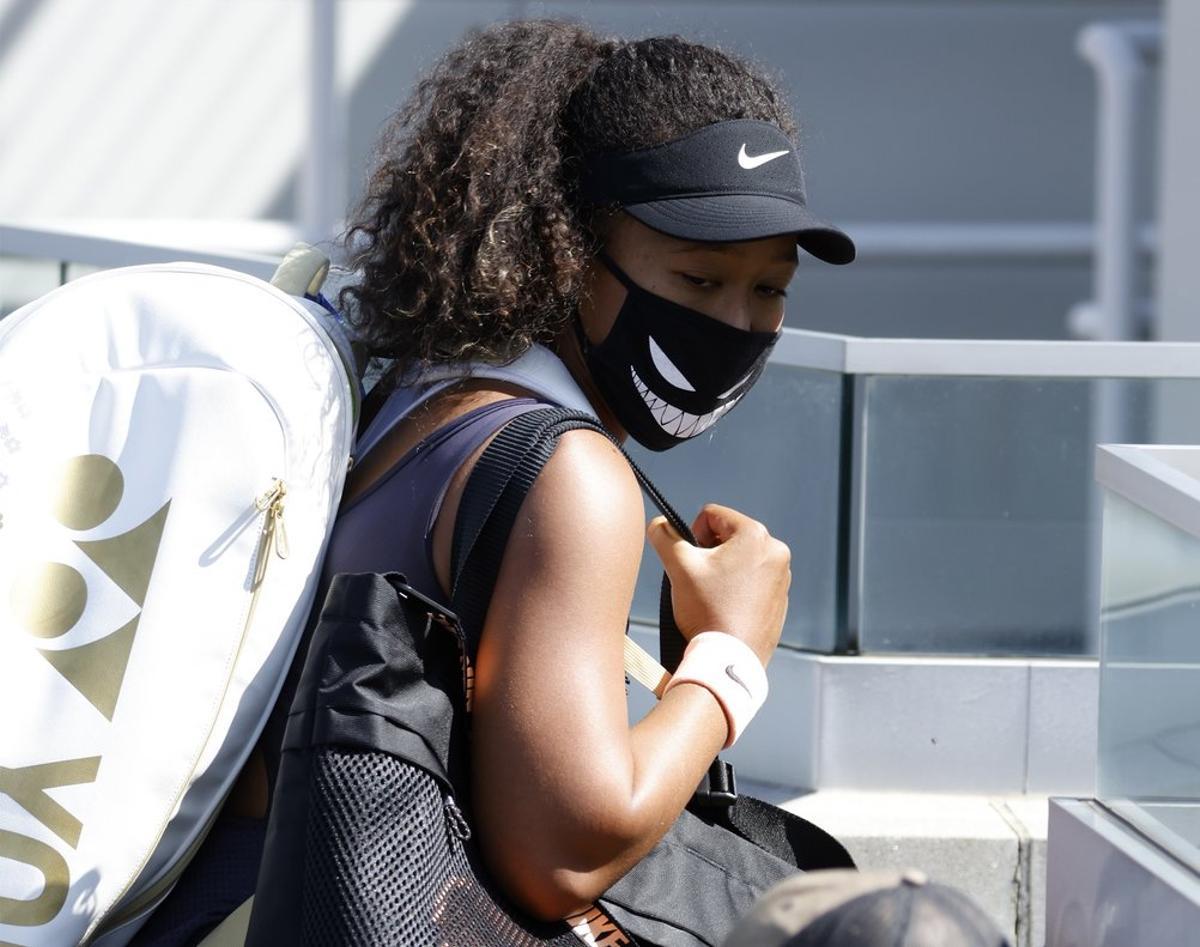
(865, 909)
(735, 180)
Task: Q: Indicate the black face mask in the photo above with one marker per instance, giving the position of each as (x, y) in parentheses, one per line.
(668, 372)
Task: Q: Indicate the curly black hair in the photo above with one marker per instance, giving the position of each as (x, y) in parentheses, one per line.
(471, 238)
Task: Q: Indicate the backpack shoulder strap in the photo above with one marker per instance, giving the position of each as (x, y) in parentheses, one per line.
(493, 495)
(491, 500)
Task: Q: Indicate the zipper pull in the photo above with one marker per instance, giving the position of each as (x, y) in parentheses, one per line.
(273, 534)
(282, 549)
(276, 492)
(456, 822)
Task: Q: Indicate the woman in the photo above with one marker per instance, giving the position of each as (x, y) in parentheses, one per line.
(635, 208)
(609, 226)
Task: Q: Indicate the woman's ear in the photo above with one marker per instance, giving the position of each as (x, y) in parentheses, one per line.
(612, 229)
(604, 219)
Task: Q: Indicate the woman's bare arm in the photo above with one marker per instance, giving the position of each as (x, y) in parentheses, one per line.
(567, 796)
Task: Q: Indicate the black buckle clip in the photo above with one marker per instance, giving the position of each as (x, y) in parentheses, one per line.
(718, 787)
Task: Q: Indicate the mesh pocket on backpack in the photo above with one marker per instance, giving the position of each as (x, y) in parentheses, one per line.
(387, 867)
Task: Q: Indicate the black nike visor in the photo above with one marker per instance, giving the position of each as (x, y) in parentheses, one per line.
(731, 181)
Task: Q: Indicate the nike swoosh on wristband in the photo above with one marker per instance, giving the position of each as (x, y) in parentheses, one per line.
(750, 162)
(733, 674)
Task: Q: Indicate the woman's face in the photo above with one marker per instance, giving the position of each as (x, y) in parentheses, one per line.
(743, 284)
(739, 284)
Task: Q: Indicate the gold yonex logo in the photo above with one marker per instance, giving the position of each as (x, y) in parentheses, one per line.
(48, 599)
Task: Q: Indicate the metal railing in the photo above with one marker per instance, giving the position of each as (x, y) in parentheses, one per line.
(1122, 54)
(852, 355)
(799, 348)
(872, 453)
(63, 246)
(941, 446)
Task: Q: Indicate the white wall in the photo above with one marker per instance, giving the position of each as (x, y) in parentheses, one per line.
(1177, 290)
(941, 110)
(1179, 195)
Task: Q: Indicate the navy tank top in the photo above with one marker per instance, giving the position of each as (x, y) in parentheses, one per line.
(389, 527)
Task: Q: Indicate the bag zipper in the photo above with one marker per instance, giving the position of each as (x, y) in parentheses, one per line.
(272, 538)
(464, 662)
(456, 821)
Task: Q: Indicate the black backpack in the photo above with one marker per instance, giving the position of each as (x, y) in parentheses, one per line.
(369, 839)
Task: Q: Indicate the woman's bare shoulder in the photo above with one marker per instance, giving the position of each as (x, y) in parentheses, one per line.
(572, 557)
(586, 497)
(585, 502)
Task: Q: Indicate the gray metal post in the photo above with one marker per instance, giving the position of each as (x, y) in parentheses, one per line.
(1119, 53)
(322, 196)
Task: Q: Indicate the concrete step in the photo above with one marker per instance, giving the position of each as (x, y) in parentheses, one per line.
(993, 848)
(918, 724)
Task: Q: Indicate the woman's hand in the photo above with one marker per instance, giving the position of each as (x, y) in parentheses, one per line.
(735, 581)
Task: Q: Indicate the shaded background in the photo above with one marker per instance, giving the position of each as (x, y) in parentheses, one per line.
(959, 113)
(954, 139)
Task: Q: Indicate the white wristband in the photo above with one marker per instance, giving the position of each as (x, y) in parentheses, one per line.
(728, 668)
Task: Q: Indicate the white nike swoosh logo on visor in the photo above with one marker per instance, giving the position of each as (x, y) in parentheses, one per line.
(751, 162)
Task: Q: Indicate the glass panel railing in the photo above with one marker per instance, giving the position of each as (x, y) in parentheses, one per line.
(23, 280)
(978, 520)
(936, 494)
(1149, 745)
(777, 459)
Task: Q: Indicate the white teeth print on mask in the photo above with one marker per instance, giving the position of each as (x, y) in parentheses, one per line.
(707, 355)
(675, 421)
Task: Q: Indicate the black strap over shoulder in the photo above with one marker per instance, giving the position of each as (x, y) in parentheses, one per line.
(495, 491)
(491, 500)
(493, 496)
(497, 487)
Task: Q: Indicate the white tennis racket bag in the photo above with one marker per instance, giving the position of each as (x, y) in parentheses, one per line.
(173, 444)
